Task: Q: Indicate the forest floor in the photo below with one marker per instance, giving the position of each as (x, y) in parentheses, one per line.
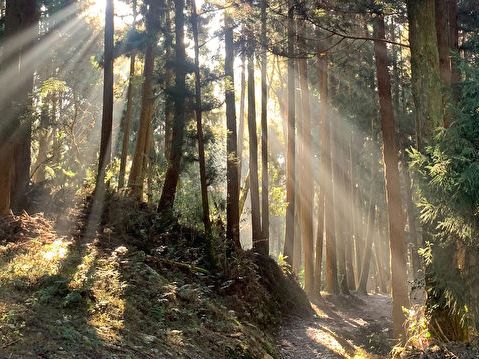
(129, 287)
(342, 327)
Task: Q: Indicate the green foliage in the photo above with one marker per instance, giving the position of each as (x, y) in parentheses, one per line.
(448, 174)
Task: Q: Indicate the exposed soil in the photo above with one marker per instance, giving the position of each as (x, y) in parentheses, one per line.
(343, 327)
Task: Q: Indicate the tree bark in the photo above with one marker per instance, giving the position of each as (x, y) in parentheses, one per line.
(107, 115)
(339, 195)
(199, 122)
(443, 42)
(425, 78)
(288, 251)
(326, 178)
(366, 262)
(306, 192)
(241, 117)
(127, 118)
(173, 171)
(253, 152)
(137, 174)
(20, 15)
(169, 85)
(263, 247)
(393, 190)
(232, 170)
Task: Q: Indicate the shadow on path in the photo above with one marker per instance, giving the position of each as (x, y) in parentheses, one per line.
(343, 327)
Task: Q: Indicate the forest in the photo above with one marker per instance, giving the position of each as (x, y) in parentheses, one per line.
(239, 179)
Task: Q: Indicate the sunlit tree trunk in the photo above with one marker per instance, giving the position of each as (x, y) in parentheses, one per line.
(306, 193)
(288, 251)
(263, 246)
(349, 212)
(129, 107)
(425, 78)
(107, 115)
(318, 260)
(173, 171)
(232, 169)
(339, 194)
(366, 261)
(326, 177)
(136, 179)
(321, 70)
(253, 151)
(199, 121)
(241, 116)
(298, 244)
(393, 190)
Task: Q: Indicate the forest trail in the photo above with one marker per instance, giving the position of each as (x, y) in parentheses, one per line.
(342, 327)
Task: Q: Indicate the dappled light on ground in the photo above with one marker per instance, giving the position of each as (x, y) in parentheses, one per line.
(350, 327)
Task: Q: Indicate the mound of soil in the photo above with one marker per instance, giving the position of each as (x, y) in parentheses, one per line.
(138, 286)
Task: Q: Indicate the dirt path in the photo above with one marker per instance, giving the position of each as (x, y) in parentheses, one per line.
(343, 327)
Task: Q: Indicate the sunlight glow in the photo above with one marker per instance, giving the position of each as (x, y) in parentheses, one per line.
(123, 16)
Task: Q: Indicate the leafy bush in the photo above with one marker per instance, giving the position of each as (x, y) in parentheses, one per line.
(448, 174)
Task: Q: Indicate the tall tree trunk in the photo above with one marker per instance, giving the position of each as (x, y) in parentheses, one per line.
(291, 154)
(107, 115)
(393, 190)
(241, 117)
(136, 179)
(253, 152)
(366, 262)
(263, 247)
(173, 171)
(321, 185)
(339, 194)
(298, 244)
(349, 212)
(454, 47)
(127, 118)
(319, 244)
(425, 78)
(326, 178)
(232, 170)
(199, 124)
(444, 51)
(20, 15)
(169, 84)
(411, 220)
(306, 193)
